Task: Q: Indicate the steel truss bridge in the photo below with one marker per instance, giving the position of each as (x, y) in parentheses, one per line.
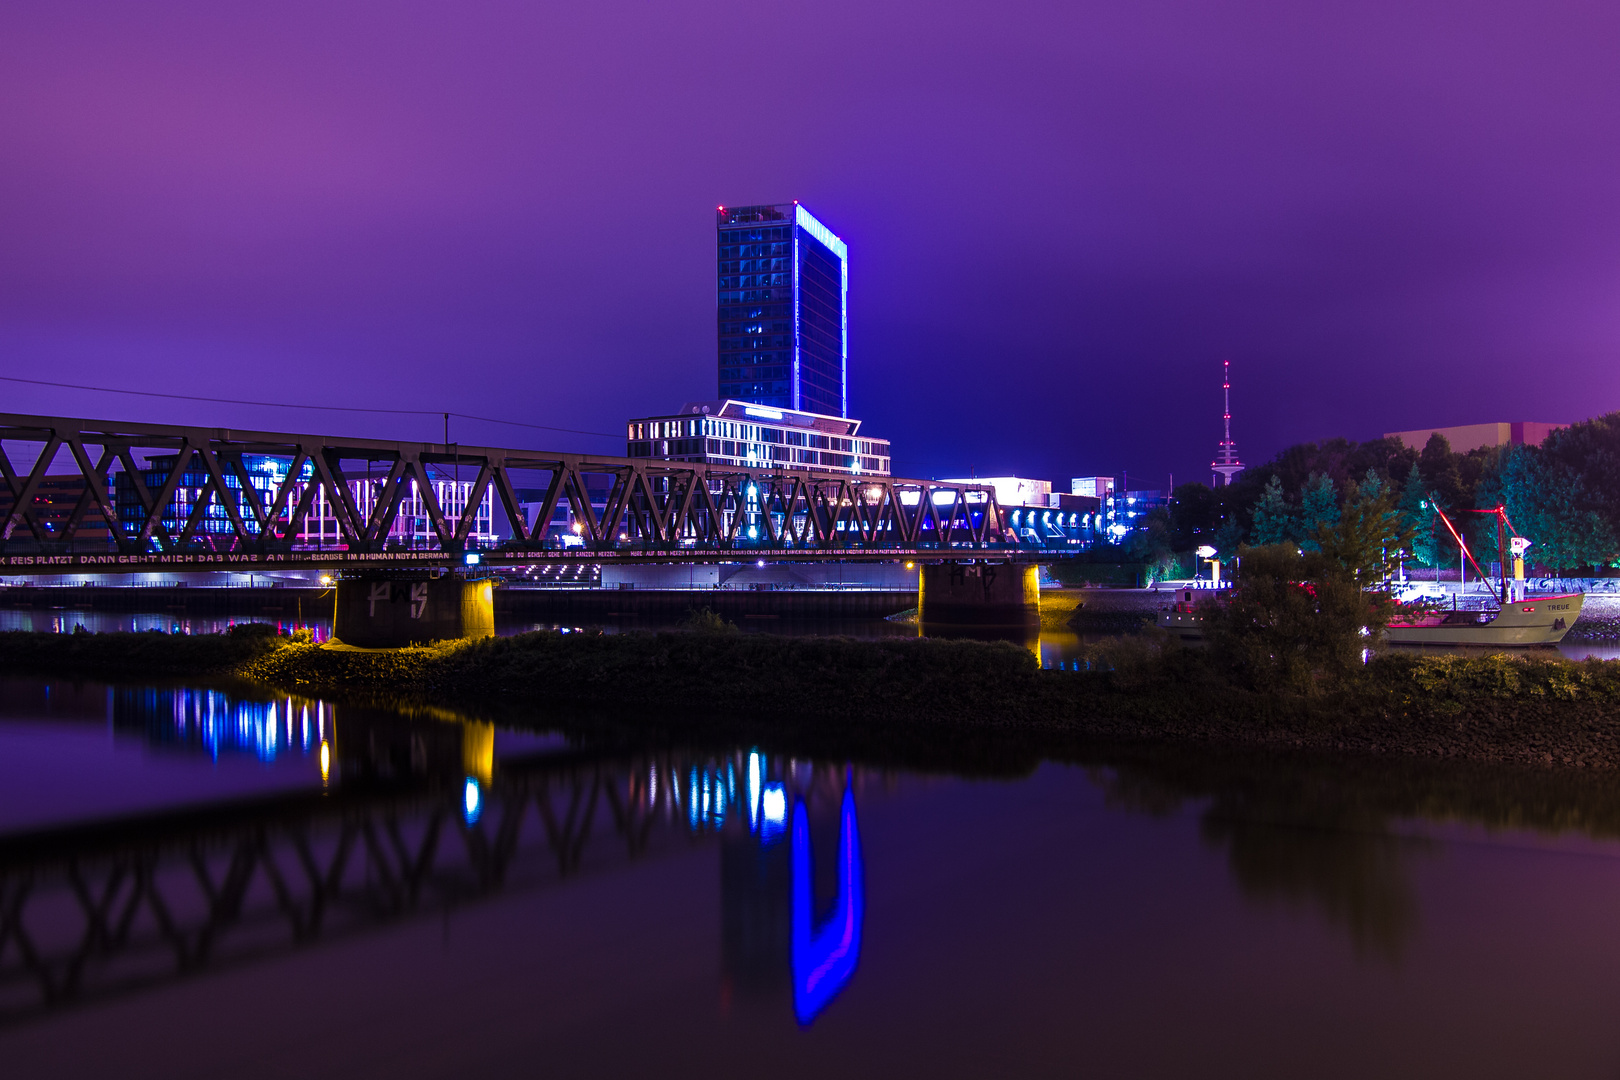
(242, 499)
(104, 910)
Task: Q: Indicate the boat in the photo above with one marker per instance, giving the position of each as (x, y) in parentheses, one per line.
(1516, 620)
(1509, 618)
(1535, 620)
(1181, 616)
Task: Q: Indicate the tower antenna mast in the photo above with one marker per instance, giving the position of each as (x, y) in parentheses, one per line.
(1226, 463)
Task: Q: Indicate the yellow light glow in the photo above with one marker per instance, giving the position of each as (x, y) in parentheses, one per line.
(326, 763)
(478, 750)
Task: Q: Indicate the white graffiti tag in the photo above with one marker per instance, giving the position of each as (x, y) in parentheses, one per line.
(418, 599)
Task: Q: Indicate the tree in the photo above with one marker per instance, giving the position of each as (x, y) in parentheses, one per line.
(1150, 542)
(1273, 517)
(1295, 621)
(1319, 508)
(1590, 451)
(1371, 486)
(1369, 536)
(1228, 538)
(1195, 514)
(1438, 467)
(1551, 505)
(1418, 518)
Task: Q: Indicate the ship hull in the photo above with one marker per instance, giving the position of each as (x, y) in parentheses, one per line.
(1541, 620)
(1186, 625)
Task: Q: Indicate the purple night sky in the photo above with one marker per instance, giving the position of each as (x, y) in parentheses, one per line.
(1061, 217)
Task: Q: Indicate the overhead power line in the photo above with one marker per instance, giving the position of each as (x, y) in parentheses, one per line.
(321, 408)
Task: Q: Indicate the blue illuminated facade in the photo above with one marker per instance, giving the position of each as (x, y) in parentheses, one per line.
(783, 310)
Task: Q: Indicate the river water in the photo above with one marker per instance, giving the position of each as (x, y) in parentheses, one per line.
(206, 882)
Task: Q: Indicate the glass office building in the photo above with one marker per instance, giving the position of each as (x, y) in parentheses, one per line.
(783, 310)
(758, 437)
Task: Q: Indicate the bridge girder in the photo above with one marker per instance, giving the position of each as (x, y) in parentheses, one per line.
(662, 509)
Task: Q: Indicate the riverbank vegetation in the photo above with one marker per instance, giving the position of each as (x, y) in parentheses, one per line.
(1563, 495)
(1529, 709)
(1291, 662)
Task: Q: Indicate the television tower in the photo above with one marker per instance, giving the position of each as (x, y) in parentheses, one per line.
(1226, 463)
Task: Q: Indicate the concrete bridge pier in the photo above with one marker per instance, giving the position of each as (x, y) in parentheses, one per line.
(383, 609)
(980, 594)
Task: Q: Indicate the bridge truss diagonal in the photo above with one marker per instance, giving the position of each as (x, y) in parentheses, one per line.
(249, 496)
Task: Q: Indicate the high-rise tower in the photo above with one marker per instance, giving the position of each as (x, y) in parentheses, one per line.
(783, 309)
(1226, 463)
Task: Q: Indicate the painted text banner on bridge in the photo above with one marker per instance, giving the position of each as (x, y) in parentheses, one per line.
(127, 496)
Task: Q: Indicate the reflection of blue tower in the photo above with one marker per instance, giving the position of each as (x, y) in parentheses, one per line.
(756, 884)
(825, 955)
(770, 934)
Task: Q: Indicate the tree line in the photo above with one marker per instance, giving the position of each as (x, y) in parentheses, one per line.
(1563, 495)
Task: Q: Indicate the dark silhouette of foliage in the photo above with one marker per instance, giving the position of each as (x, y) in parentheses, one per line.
(1296, 622)
(1196, 514)
(1441, 476)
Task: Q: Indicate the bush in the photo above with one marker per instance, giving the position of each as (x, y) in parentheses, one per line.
(707, 621)
(252, 631)
(1295, 622)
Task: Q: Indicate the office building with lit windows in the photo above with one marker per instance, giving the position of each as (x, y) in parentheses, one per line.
(759, 437)
(783, 310)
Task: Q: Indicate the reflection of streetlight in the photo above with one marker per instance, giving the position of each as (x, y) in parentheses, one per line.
(326, 762)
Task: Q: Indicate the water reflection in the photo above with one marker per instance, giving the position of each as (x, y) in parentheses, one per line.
(217, 883)
(431, 813)
(825, 954)
(1346, 837)
(1347, 865)
(67, 620)
(218, 723)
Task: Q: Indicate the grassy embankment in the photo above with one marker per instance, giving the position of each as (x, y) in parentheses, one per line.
(1532, 710)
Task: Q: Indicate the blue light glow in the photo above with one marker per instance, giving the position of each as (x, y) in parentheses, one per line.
(807, 221)
(753, 790)
(825, 236)
(472, 558)
(773, 812)
(472, 801)
(768, 414)
(825, 958)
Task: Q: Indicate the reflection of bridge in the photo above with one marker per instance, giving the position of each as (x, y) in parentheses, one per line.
(243, 499)
(421, 820)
